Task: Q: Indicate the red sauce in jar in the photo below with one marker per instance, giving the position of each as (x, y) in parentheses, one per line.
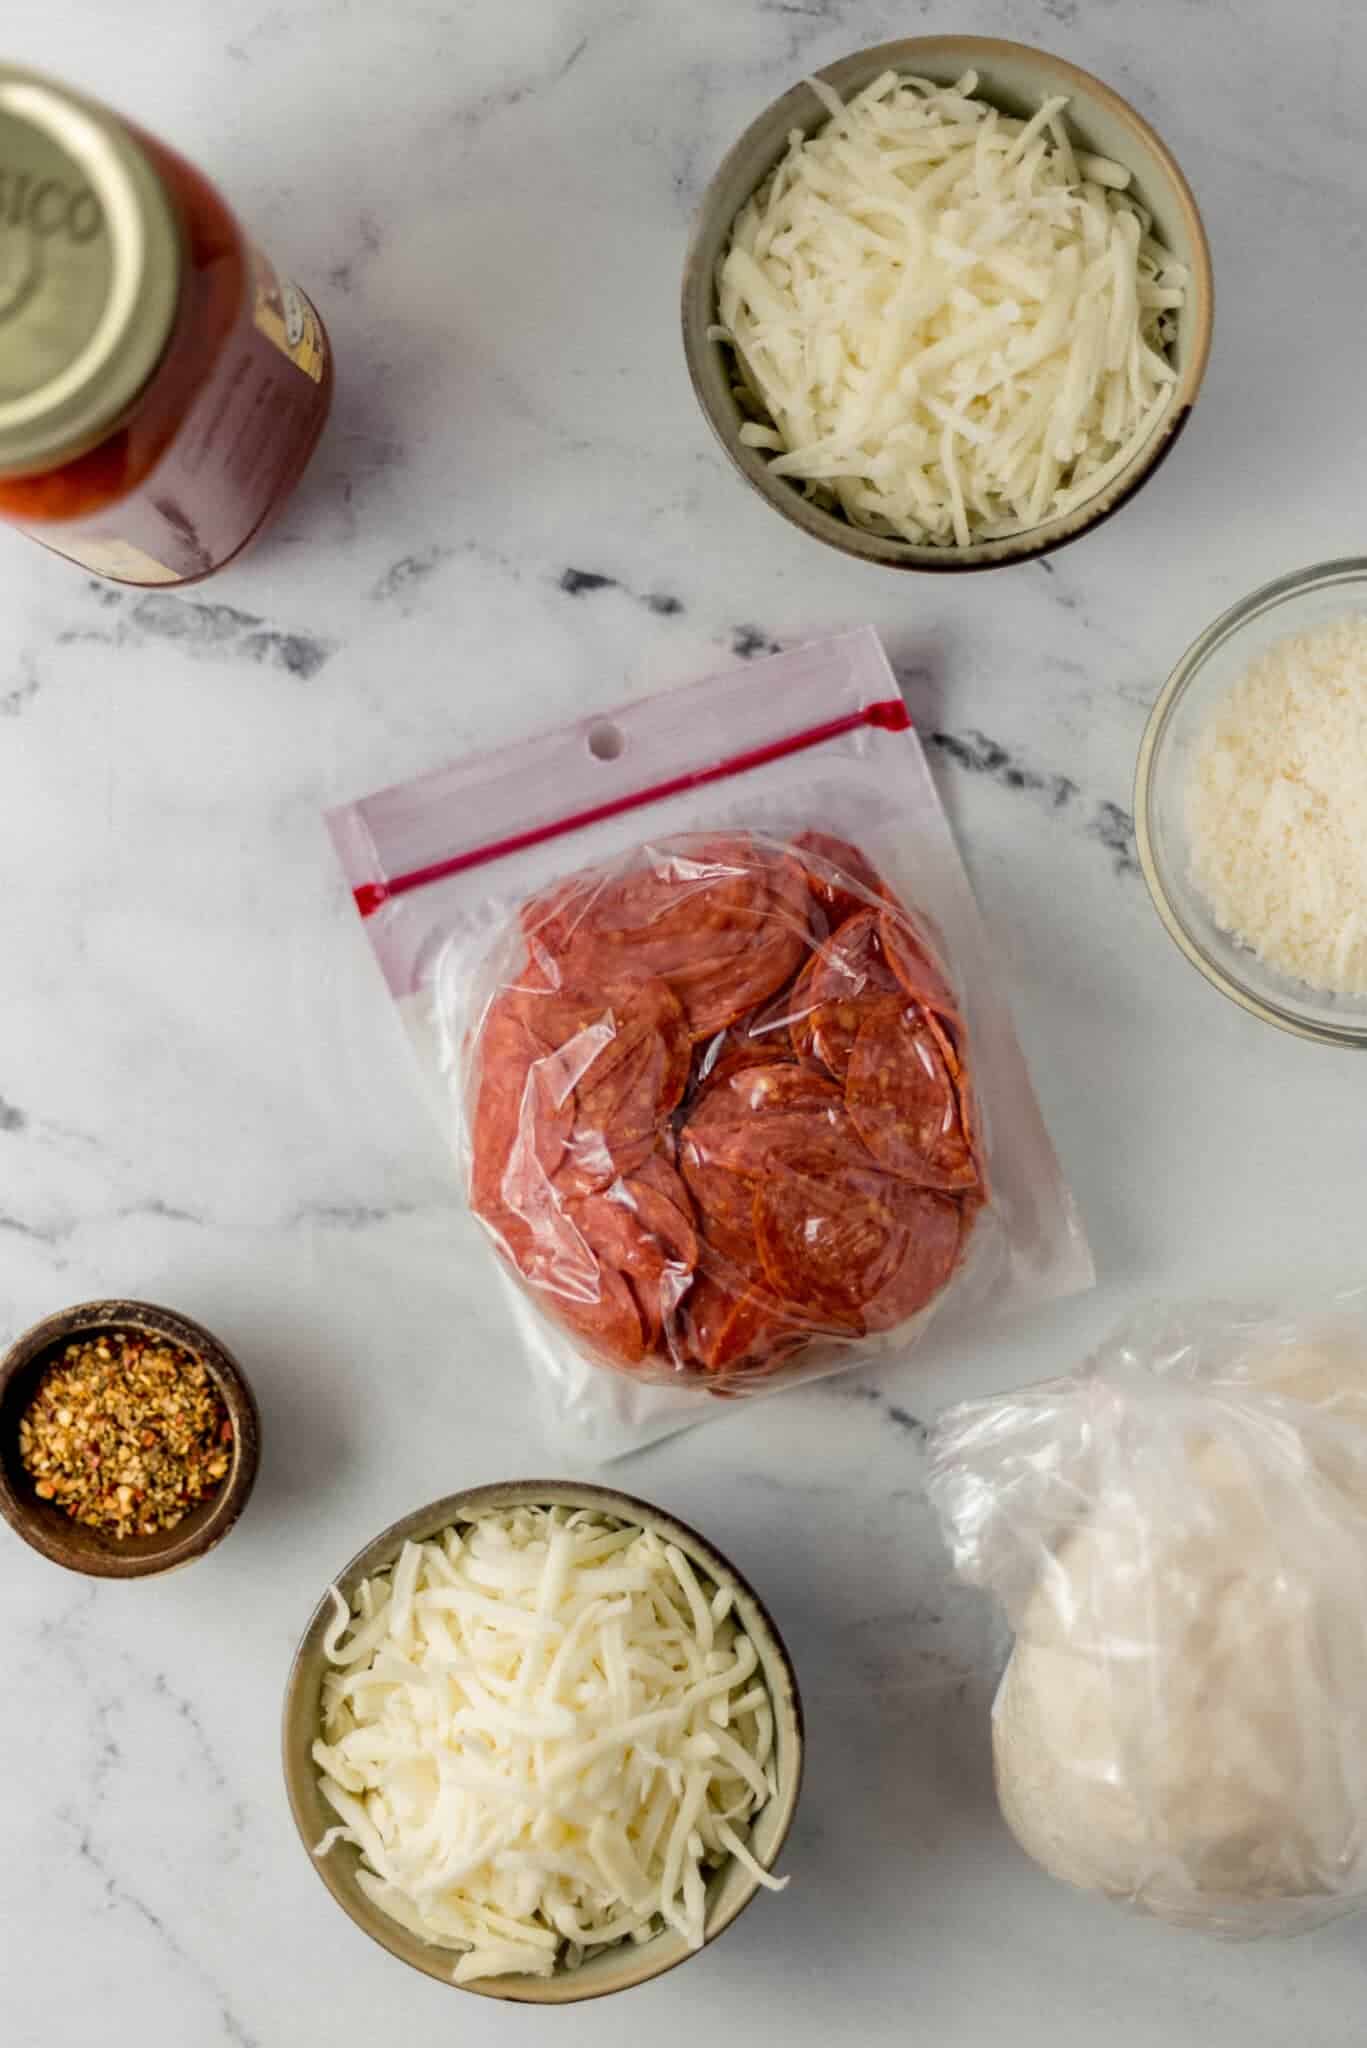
(208, 448)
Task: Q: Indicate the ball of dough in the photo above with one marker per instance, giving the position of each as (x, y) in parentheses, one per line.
(1183, 1720)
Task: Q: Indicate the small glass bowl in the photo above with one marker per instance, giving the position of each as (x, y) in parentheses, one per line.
(1294, 604)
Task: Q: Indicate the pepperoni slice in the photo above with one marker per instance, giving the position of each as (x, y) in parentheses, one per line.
(770, 1145)
(746, 1129)
(834, 990)
(723, 920)
(726, 1328)
(763, 1088)
(739, 983)
(763, 1031)
(592, 1162)
(594, 1159)
(660, 1173)
(628, 1089)
(687, 885)
(609, 1319)
(822, 1244)
(554, 1260)
(831, 865)
(725, 1204)
(519, 1129)
(685, 889)
(550, 1254)
(611, 1039)
(570, 1255)
(544, 1247)
(909, 954)
(667, 1221)
(858, 1252)
(732, 1055)
(693, 901)
(758, 1115)
(946, 1034)
(549, 921)
(936, 1228)
(648, 1239)
(902, 1101)
(621, 1059)
(730, 992)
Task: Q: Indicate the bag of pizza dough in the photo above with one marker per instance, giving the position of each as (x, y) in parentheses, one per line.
(1178, 1534)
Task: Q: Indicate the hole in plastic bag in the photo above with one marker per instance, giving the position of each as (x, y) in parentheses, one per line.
(606, 740)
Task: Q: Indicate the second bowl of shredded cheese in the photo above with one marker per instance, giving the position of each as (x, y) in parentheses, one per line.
(543, 1742)
(947, 303)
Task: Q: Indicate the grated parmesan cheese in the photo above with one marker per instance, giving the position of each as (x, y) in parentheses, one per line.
(542, 1733)
(1276, 808)
(957, 326)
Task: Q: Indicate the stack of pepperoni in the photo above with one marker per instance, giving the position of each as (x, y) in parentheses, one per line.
(723, 1109)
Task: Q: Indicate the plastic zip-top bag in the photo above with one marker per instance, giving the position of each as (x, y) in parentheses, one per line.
(712, 1024)
(1178, 1534)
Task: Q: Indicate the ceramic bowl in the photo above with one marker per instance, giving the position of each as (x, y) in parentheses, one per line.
(1015, 78)
(1294, 604)
(612, 1969)
(68, 1543)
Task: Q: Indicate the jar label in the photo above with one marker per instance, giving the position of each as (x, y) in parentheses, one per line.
(243, 443)
(287, 319)
(117, 558)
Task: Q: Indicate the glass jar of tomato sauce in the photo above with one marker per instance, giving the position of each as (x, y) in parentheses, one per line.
(161, 388)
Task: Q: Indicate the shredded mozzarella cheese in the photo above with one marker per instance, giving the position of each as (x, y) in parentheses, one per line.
(542, 1733)
(1276, 807)
(956, 326)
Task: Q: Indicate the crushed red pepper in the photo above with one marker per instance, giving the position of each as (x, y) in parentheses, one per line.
(126, 1434)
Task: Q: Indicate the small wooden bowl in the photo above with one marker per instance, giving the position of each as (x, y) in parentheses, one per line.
(611, 1969)
(44, 1527)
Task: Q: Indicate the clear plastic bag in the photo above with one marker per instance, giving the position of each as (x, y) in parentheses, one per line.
(1178, 1534)
(712, 1026)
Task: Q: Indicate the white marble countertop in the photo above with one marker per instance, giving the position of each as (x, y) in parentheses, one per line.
(203, 1098)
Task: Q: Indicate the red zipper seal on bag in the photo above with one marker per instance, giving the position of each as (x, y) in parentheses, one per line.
(889, 714)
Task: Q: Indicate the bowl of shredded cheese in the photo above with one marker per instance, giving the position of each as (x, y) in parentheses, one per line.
(947, 304)
(542, 1741)
(1251, 803)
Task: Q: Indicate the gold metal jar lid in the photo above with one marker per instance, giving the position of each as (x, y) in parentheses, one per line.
(90, 269)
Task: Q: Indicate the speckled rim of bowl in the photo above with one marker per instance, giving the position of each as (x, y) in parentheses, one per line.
(46, 1529)
(615, 1969)
(1321, 576)
(743, 170)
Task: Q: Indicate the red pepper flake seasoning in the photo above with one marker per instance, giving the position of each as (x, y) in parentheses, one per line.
(126, 1434)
